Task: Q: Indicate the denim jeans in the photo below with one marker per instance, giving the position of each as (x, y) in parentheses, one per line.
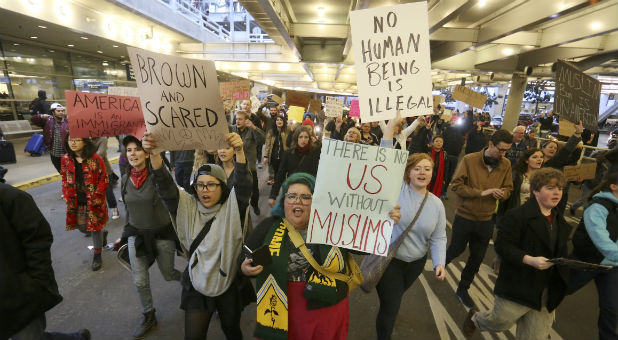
(606, 282)
(139, 268)
(35, 330)
(531, 323)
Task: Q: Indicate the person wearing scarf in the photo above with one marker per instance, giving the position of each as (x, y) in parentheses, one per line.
(213, 208)
(148, 233)
(302, 156)
(440, 167)
(293, 300)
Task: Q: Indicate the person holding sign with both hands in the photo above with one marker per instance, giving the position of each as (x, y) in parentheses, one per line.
(294, 300)
(209, 224)
(428, 231)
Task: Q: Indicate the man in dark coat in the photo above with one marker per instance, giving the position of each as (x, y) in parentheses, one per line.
(529, 287)
(40, 105)
(27, 286)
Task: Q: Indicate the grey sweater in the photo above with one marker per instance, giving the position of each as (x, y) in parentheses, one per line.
(145, 208)
(250, 139)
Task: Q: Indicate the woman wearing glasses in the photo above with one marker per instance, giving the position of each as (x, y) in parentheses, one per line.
(211, 231)
(293, 302)
(148, 231)
(84, 182)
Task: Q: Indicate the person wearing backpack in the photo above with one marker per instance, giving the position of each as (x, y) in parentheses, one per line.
(39, 105)
(595, 241)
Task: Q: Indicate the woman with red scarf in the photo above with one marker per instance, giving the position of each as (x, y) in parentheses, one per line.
(84, 181)
(302, 156)
(149, 232)
(440, 166)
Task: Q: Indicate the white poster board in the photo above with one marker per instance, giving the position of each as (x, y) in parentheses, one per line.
(255, 104)
(356, 187)
(333, 107)
(180, 100)
(393, 67)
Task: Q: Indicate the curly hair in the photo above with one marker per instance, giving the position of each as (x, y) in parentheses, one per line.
(546, 176)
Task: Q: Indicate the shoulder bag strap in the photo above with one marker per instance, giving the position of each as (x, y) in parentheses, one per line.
(200, 237)
(393, 248)
(300, 244)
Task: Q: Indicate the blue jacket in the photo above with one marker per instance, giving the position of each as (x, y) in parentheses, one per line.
(595, 217)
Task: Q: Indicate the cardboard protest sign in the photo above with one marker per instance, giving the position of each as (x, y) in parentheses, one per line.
(235, 90)
(577, 96)
(296, 113)
(294, 98)
(565, 127)
(180, 100)
(122, 91)
(393, 68)
(354, 109)
(356, 186)
(470, 97)
(580, 172)
(97, 115)
(437, 100)
(315, 106)
(276, 98)
(333, 107)
(255, 104)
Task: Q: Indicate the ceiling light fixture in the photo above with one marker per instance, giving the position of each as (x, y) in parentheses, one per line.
(595, 25)
(264, 66)
(85, 38)
(71, 45)
(244, 66)
(15, 44)
(482, 3)
(507, 51)
(33, 37)
(115, 46)
(41, 26)
(99, 51)
(63, 11)
(110, 25)
(284, 67)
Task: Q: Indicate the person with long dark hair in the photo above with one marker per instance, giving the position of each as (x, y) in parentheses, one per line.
(529, 161)
(210, 224)
(275, 145)
(302, 156)
(440, 167)
(84, 182)
(595, 241)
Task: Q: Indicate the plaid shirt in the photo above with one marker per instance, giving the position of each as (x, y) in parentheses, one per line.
(57, 147)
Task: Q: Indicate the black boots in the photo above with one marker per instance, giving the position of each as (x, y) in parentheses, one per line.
(96, 262)
(149, 321)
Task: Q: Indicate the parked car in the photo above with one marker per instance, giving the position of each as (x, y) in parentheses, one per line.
(611, 121)
(525, 119)
(496, 122)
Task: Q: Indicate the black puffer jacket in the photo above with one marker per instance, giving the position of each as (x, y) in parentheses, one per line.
(27, 284)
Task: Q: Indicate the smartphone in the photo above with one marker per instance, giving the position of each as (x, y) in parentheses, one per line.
(260, 256)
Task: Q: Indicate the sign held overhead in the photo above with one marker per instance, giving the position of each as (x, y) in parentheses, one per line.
(470, 97)
(577, 96)
(180, 100)
(393, 68)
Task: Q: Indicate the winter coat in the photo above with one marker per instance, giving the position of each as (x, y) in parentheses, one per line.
(524, 231)
(48, 129)
(270, 141)
(27, 285)
(95, 180)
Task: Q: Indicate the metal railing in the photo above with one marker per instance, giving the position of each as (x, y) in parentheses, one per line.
(192, 10)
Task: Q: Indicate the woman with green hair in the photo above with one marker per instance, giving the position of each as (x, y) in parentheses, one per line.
(293, 300)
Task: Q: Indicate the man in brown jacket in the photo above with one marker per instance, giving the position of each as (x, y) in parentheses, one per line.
(480, 179)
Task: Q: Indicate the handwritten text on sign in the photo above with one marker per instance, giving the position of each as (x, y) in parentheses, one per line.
(351, 205)
(97, 115)
(393, 68)
(235, 90)
(470, 97)
(180, 100)
(577, 96)
(333, 107)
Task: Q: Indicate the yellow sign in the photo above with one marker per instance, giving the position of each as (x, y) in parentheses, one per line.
(295, 113)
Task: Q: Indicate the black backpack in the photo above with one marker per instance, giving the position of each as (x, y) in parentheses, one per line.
(583, 247)
(34, 106)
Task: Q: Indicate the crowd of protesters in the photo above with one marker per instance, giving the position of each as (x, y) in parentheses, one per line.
(500, 180)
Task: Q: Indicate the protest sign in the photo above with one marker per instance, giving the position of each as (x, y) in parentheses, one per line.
(97, 115)
(122, 91)
(255, 104)
(470, 97)
(294, 98)
(393, 68)
(565, 127)
(315, 106)
(356, 187)
(235, 90)
(295, 113)
(354, 109)
(437, 100)
(580, 172)
(577, 95)
(276, 98)
(180, 100)
(333, 107)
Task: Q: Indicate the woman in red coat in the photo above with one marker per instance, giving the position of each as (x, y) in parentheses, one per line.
(84, 181)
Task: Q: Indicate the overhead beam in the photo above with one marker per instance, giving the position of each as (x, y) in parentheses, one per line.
(454, 34)
(445, 11)
(320, 31)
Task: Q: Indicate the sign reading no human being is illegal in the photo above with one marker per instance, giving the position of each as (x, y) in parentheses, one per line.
(180, 100)
(393, 67)
(351, 204)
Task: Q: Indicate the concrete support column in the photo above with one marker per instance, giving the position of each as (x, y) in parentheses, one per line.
(499, 107)
(516, 97)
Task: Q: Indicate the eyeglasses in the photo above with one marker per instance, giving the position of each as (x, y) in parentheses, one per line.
(77, 140)
(503, 150)
(208, 187)
(305, 199)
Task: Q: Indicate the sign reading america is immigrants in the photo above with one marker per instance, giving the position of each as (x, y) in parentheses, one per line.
(393, 68)
(356, 187)
(180, 100)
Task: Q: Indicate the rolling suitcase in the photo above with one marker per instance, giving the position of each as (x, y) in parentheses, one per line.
(35, 145)
(7, 152)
